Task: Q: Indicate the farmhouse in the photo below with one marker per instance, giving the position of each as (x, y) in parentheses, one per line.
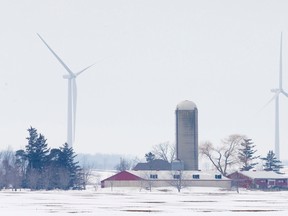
(163, 178)
(258, 179)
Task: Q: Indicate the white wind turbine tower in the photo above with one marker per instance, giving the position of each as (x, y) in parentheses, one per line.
(72, 96)
(277, 92)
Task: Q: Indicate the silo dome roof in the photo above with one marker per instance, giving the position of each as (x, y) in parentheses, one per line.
(186, 105)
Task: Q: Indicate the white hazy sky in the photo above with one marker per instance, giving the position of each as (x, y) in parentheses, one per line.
(222, 55)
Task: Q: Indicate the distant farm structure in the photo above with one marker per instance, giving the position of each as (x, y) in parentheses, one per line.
(164, 178)
(259, 180)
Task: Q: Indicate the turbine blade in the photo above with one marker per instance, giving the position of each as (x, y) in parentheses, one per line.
(77, 74)
(273, 98)
(74, 106)
(280, 64)
(285, 93)
(58, 58)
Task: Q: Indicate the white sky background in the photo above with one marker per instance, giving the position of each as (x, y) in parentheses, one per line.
(222, 55)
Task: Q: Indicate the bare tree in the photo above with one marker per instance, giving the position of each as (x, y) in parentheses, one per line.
(64, 178)
(177, 180)
(33, 179)
(224, 156)
(165, 151)
(10, 175)
(49, 178)
(123, 165)
(86, 173)
(97, 181)
(149, 178)
(21, 163)
(134, 162)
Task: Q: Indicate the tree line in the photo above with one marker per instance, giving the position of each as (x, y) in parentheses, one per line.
(38, 167)
(237, 152)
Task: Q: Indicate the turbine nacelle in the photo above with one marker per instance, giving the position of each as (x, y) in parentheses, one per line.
(69, 76)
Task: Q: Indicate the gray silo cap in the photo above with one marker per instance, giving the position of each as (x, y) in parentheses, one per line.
(186, 105)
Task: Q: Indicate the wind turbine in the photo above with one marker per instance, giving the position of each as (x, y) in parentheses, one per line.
(72, 96)
(277, 92)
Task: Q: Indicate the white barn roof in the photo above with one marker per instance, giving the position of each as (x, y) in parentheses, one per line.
(262, 175)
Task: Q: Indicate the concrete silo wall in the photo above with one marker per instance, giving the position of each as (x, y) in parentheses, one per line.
(187, 137)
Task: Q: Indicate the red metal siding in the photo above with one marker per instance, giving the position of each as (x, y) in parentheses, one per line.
(240, 180)
(262, 183)
(281, 182)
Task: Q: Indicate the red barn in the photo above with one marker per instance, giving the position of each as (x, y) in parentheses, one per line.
(121, 179)
(258, 179)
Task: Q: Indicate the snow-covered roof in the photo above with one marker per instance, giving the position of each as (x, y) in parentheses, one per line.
(186, 105)
(262, 174)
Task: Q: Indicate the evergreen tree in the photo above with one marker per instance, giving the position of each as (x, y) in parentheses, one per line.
(36, 153)
(149, 157)
(53, 171)
(246, 155)
(272, 163)
(67, 162)
(42, 168)
(54, 157)
(36, 150)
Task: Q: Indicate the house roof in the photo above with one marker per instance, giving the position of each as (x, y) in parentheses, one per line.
(156, 164)
(262, 175)
(123, 176)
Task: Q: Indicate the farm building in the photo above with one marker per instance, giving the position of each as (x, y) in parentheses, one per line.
(164, 178)
(121, 179)
(258, 179)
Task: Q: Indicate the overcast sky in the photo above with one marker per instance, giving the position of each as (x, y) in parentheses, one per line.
(153, 54)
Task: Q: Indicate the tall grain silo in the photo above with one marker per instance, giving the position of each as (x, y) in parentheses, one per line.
(187, 134)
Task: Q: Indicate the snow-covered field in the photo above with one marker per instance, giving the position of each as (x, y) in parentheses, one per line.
(127, 201)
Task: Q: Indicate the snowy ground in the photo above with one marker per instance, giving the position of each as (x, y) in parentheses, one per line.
(127, 201)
